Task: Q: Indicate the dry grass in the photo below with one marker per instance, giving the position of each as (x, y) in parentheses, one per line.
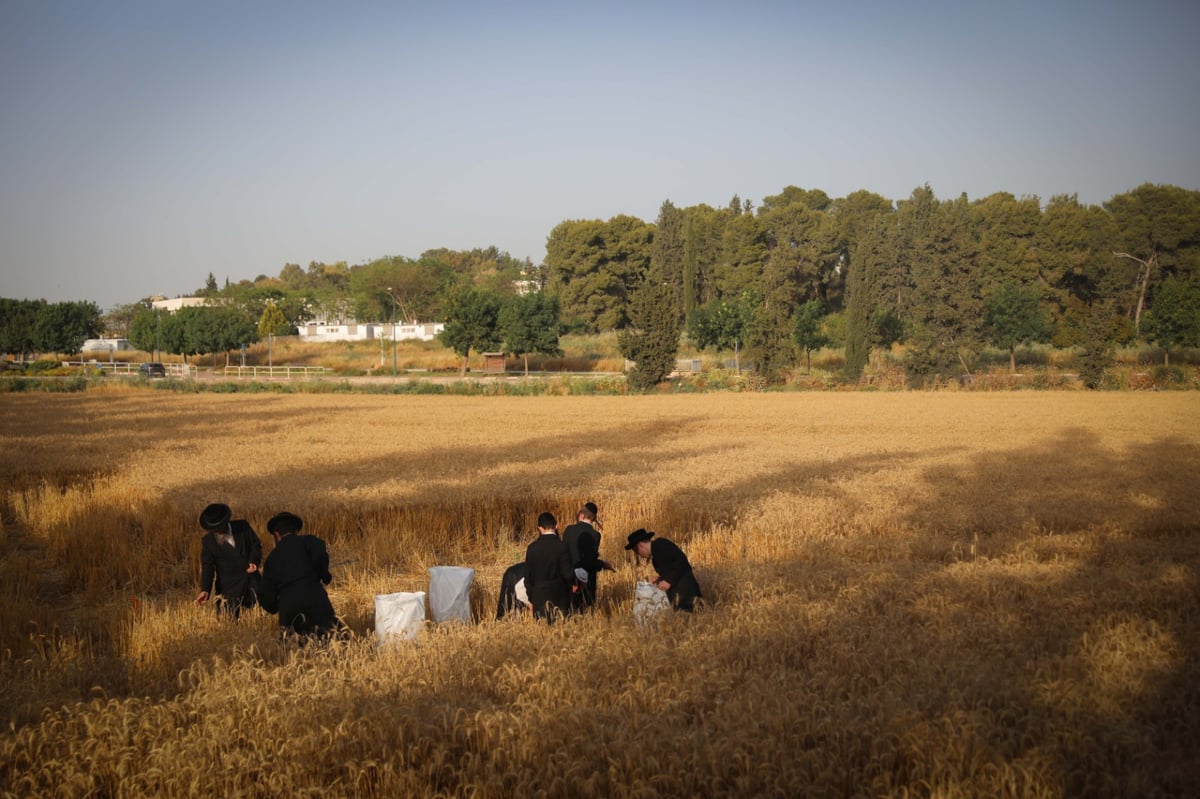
(580, 354)
(909, 594)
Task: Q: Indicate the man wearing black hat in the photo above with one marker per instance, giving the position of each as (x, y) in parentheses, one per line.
(230, 554)
(548, 573)
(294, 579)
(674, 572)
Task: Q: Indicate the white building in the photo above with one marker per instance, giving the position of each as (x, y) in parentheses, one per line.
(175, 304)
(106, 345)
(369, 331)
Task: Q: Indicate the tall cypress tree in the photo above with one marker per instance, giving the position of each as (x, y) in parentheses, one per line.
(652, 338)
(667, 252)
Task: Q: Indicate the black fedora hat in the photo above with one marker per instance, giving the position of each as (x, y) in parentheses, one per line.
(638, 536)
(284, 523)
(215, 517)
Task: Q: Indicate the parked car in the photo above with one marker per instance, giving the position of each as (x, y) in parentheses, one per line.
(153, 370)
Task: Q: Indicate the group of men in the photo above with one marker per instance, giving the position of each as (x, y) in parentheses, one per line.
(291, 583)
(557, 578)
(559, 575)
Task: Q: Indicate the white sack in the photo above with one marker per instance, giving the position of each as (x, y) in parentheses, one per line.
(400, 615)
(450, 593)
(649, 600)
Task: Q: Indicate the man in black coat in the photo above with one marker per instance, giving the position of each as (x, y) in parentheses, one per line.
(513, 596)
(675, 574)
(583, 543)
(230, 554)
(294, 579)
(548, 574)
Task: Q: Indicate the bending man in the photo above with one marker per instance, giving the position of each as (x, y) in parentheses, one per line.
(294, 579)
(675, 574)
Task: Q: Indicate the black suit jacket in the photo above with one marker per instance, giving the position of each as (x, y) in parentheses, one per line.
(673, 566)
(548, 575)
(227, 564)
(293, 584)
(583, 544)
(508, 602)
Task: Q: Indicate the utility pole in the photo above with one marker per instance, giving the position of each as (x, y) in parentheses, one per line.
(394, 303)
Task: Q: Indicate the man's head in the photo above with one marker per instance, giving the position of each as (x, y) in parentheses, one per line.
(546, 522)
(284, 523)
(215, 518)
(639, 542)
(586, 514)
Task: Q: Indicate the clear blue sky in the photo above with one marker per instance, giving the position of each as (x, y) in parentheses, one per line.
(144, 144)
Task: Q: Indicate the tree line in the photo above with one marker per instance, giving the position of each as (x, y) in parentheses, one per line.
(945, 277)
(771, 284)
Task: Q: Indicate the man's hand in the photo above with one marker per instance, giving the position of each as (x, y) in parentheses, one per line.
(202, 597)
(252, 568)
(606, 566)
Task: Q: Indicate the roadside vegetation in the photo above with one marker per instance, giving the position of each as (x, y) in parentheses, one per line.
(592, 364)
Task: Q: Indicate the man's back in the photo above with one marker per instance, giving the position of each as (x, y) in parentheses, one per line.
(548, 573)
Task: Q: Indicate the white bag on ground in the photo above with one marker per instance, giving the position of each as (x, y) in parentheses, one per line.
(450, 593)
(649, 600)
(399, 615)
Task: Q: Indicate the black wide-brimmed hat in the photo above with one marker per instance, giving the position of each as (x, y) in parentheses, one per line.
(284, 523)
(638, 536)
(215, 517)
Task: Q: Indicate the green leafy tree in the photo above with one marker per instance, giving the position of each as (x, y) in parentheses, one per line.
(744, 252)
(1096, 344)
(872, 254)
(1007, 229)
(592, 266)
(852, 218)
(945, 311)
(200, 330)
(484, 268)
(416, 287)
(117, 321)
(1173, 319)
(219, 329)
(769, 341)
(62, 327)
(651, 340)
(472, 322)
(272, 322)
(803, 244)
(667, 250)
(174, 332)
(530, 323)
(1159, 234)
(17, 321)
(145, 330)
(806, 331)
(1014, 315)
(723, 324)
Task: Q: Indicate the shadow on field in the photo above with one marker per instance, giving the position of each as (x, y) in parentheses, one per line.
(1032, 613)
(1035, 613)
(1066, 484)
(89, 424)
(1090, 593)
(547, 464)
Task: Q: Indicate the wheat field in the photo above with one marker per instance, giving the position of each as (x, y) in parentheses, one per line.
(907, 594)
